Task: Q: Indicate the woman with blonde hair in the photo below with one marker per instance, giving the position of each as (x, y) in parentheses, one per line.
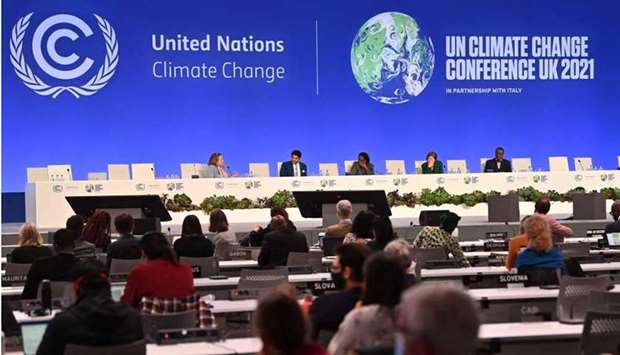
(30, 246)
(540, 260)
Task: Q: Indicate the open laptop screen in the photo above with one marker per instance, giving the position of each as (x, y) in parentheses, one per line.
(613, 239)
(32, 334)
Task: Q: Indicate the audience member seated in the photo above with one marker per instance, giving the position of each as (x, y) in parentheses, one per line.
(30, 246)
(402, 250)
(54, 268)
(373, 323)
(126, 246)
(362, 166)
(441, 237)
(615, 214)
(83, 249)
(193, 243)
(361, 229)
(279, 243)
(160, 275)
(437, 319)
(541, 208)
(97, 230)
(216, 167)
(515, 245)
(94, 319)
(344, 209)
(540, 259)
(432, 165)
(382, 233)
(223, 238)
(498, 164)
(282, 327)
(328, 310)
(256, 237)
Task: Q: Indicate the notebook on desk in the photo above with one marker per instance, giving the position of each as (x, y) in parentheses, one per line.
(32, 334)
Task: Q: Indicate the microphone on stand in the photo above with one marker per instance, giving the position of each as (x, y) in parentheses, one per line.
(581, 165)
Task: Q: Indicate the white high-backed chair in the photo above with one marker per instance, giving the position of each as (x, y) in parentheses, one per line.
(118, 172)
(37, 174)
(483, 162)
(395, 167)
(143, 171)
(618, 161)
(259, 169)
(457, 166)
(521, 165)
(97, 176)
(347, 166)
(59, 172)
(558, 163)
(279, 164)
(329, 169)
(418, 166)
(583, 163)
(188, 170)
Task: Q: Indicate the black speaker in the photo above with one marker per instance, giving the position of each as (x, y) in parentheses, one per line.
(431, 218)
(142, 226)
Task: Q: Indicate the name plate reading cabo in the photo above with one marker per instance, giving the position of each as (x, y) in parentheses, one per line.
(497, 235)
(595, 232)
(512, 279)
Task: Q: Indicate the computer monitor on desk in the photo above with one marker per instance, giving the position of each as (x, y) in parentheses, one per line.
(32, 334)
(613, 239)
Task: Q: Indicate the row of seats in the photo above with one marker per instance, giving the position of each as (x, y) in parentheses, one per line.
(146, 171)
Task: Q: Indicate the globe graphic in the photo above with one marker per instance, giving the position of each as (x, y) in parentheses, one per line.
(390, 59)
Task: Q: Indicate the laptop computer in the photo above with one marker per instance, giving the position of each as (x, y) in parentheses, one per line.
(32, 334)
(613, 239)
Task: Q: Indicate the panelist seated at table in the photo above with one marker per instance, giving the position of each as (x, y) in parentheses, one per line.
(94, 319)
(541, 208)
(55, 268)
(216, 167)
(294, 167)
(498, 164)
(362, 166)
(615, 214)
(441, 237)
(160, 276)
(279, 243)
(540, 259)
(30, 246)
(432, 165)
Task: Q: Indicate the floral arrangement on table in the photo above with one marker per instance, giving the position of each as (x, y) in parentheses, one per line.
(427, 197)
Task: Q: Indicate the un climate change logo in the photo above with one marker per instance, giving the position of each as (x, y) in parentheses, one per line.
(34, 82)
(391, 60)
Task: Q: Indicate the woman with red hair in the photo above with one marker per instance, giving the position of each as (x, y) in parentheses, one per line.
(97, 229)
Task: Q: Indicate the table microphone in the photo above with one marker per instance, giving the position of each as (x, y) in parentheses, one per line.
(581, 165)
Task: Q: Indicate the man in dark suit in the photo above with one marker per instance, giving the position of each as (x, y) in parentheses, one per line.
(279, 243)
(498, 164)
(55, 268)
(126, 246)
(294, 167)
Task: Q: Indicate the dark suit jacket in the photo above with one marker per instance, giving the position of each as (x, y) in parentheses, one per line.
(613, 227)
(328, 310)
(55, 268)
(125, 247)
(29, 253)
(287, 169)
(491, 166)
(194, 246)
(278, 244)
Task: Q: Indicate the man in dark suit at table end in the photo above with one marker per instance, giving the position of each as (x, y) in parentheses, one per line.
(294, 167)
(498, 164)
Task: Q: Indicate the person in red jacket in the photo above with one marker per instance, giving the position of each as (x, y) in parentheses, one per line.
(160, 275)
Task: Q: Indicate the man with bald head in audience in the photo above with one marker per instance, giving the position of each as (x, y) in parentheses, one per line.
(542, 207)
(436, 319)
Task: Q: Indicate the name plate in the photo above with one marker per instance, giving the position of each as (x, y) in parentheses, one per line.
(118, 277)
(498, 245)
(497, 235)
(595, 232)
(196, 271)
(319, 288)
(8, 280)
(512, 279)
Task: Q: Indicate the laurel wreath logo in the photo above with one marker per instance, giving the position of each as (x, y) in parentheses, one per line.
(96, 83)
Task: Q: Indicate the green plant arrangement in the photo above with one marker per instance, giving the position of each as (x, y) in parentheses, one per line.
(427, 197)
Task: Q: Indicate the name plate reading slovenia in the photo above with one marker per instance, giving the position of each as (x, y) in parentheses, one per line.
(512, 280)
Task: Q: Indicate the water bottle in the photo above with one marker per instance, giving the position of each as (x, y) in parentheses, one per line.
(46, 295)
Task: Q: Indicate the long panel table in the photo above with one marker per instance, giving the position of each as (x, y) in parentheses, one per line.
(46, 205)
